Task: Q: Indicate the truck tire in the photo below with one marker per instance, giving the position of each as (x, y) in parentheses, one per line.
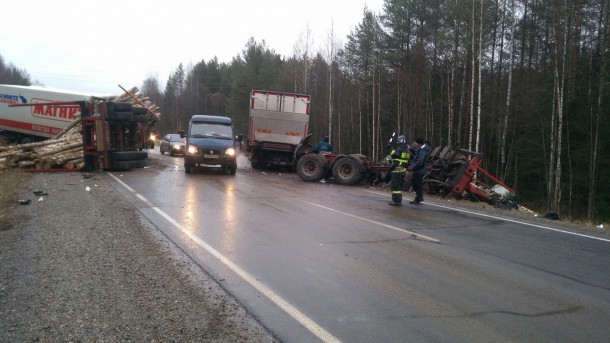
(127, 155)
(312, 167)
(256, 161)
(120, 116)
(348, 170)
(139, 110)
(128, 165)
(119, 107)
(188, 168)
(140, 118)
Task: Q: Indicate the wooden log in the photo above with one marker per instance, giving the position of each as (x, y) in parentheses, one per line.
(26, 164)
(60, 159)
(74, 163)
(68, 128)
(29, 146)
(57, 149)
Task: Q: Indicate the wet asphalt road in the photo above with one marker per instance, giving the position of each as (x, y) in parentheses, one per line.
(323, 262)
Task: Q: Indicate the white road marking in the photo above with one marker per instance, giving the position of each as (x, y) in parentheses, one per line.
(373, 221)
(292, 311)
(506, 219)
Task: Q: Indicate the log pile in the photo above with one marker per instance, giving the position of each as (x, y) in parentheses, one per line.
(65, 150)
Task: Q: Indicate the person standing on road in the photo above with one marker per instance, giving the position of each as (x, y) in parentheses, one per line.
(324, 145)
(400, 160)
(420, 161)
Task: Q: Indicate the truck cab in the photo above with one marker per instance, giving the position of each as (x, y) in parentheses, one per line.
(210, 142)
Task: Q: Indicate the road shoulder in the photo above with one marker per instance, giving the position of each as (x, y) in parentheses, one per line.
(82, 264)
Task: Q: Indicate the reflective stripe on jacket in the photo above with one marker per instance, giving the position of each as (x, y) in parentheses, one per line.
(400, 159)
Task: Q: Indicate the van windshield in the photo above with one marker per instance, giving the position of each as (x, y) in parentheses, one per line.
(211, 130)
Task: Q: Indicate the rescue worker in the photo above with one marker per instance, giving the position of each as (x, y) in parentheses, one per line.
(400, 159)
(420, 161)
(324, 145)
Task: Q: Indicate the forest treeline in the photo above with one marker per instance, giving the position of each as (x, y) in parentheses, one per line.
(12, 75)
(525, 82)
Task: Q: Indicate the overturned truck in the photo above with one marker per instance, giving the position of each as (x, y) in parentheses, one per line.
(450, 172)
(457, 173)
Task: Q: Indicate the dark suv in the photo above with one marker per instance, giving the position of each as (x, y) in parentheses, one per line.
(210, 142)
(172, 143)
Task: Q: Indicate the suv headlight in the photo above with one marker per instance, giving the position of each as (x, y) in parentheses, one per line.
(192, 150)
(230, 152)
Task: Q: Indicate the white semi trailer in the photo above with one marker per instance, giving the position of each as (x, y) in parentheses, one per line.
(278, 122)
(33, 123)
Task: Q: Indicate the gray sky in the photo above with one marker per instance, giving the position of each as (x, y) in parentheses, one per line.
(92, 46)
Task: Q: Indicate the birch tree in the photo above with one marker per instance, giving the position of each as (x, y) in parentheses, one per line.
(331, 46)
(508, 93)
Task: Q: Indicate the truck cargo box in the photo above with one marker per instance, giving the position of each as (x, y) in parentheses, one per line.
(278, 122)
(31, 123)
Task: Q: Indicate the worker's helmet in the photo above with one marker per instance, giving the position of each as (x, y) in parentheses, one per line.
(401, 140)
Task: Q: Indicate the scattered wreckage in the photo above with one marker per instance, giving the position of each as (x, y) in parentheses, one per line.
(451, 172)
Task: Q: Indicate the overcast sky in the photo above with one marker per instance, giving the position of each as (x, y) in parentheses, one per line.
(92, 46)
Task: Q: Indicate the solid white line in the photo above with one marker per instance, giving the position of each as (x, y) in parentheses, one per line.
(297, 315)
(373, 221)
(507, 219)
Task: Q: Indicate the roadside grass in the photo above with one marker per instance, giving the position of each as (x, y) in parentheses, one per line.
(10, 182)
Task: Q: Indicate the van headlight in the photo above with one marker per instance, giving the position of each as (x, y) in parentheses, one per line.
(192, 150)
(230, 152)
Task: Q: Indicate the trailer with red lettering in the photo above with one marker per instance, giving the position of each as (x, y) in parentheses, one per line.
(43, 120)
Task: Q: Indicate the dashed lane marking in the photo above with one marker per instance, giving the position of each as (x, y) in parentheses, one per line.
(373, 221)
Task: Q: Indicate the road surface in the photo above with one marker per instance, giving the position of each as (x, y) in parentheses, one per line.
(323, 262)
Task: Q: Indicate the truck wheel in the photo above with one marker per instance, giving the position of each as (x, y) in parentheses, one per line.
(127, 155)
(127, 165)
(120, 116)
(347, 170)
(139, 110)
(312, 167)
(140, 118)
(119, 106)
(188, 168)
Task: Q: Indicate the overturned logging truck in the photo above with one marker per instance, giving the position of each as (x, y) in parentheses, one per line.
(105, 133)
(450, 172)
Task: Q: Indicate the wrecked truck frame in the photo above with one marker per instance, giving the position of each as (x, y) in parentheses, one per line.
(450, 172)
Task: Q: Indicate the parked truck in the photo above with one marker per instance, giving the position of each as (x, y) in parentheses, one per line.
(278, 122)
(34, 123)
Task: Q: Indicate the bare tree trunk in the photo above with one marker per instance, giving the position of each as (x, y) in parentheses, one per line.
(472, 79)
(331, 59)
(359, 121)
(461, 104)
(398, 117)
(478, 133)
(560, 89)
(450, 90)
(596, 113)
(508, 94)
(373, 119)
(553, 135)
